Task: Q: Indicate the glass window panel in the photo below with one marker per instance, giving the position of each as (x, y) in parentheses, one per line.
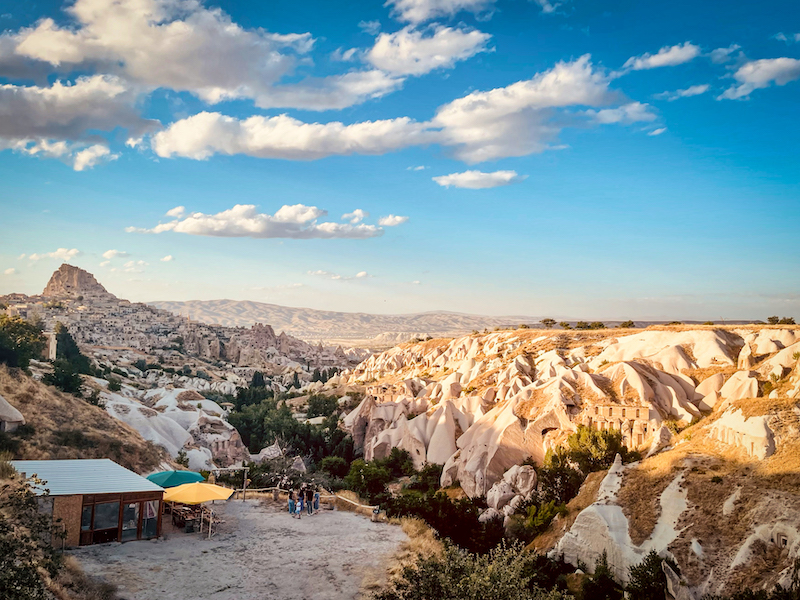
(106, 515)
(130, 521)
(150, 519)
(86, 518)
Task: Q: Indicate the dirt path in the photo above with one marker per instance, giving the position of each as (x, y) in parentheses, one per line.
(258, 554)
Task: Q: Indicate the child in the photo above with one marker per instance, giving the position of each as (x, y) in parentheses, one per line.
(298, 510)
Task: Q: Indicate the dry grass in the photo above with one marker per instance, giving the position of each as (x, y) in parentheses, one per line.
(586, 496)
(72, 583)
(56, 417)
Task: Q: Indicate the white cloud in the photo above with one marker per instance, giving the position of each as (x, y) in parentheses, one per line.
(64, 254)
(723, 55)
(478, 180)
(668, 56)
(418, 11)
(340, 55)
(356, 216)
(176, 212)
(758, 74)
(782, 37)
(337, 277)
(518, 119)
(658, 131)
(243, 220)
(391, 221)
(10, 271)
(547, 6)
(628, 113)
(205, 134)
(415, 52)
(370, 27)
(168, 258)
(417, 168)
(92, 156)
(135, 266)
(109, 254)
(163, 43)
(694, 90)
(52, 121)
(105, 263)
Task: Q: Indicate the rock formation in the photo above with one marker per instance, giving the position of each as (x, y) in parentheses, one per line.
(70, 281)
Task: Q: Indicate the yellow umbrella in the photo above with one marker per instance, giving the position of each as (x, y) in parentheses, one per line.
(197, 493)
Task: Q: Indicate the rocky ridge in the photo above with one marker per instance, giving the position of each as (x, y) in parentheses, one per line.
(481, 405)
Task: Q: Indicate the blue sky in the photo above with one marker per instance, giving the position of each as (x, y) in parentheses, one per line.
(572, 159)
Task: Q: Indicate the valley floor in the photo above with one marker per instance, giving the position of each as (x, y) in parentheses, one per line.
(259, 552)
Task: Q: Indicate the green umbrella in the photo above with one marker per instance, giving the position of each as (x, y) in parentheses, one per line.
(168, 479)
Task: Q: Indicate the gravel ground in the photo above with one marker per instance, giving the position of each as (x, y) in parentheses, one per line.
(260, 553)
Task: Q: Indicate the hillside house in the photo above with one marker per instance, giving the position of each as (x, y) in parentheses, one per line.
(10, 417)
(97, 500)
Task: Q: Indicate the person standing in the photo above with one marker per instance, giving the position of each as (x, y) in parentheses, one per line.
(316, 501)
(301, 499)
(291, 502)
(310, 500)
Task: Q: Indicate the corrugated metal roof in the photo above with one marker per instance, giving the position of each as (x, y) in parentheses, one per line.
(85, 476)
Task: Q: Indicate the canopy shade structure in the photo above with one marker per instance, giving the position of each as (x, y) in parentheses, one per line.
(170, 479)
(197, 493)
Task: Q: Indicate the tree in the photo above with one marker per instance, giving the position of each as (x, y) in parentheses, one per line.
(581, 325)
(64, 377)
(296, 381)
(787, 321)
(627, 324)
(335, 466)
(594, 450)
(258, 380)
(548, 323)
(20, 341)
(601, 585)
(368, 479)
(67, 350)
(558, 480)
(773, 320)
(315, 376)
(597, 325)
(647, 579)
(565, 325)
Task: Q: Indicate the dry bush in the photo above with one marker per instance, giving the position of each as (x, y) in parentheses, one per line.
(72, 583)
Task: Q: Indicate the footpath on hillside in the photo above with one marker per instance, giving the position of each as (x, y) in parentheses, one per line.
(260, 553)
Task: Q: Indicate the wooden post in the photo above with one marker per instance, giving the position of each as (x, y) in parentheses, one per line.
(244, 484)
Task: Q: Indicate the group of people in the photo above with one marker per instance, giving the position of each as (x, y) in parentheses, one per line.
(304, 499)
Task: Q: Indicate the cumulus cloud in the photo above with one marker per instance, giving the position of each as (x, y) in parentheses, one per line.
(416, 168)
(415, 52)
(547, 6)
(134, 266)
(668, 56)
(64, 254)
(105, 263)
(176, 212)
(658, 131)
(163, 43)
(10, 271)
(205, 134)
(391, 221)
(419, 11)
(109, 254)
(356, 216)
(723, 55)
(758, 74)
(522, 118)
(694, 90)
(243, 220)
(626, 114)
(52, 121)
(92, 156)
(168, 258)
(478, 180)
(791, 38)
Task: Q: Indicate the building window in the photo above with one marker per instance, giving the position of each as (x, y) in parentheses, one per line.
(623, 413)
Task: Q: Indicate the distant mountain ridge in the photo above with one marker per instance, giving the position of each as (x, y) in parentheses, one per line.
(307, 323)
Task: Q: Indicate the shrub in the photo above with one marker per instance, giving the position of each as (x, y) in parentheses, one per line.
(506, 573)
(114, 384)
(426, 481)
(182, 459)
(558, 480)
(601, 585)
(67, 350)
(564, 325)
(647, 579)
(335, 466)
(368, 480)
(627, 324)
(548, 323)
(20, 341)
(74, 438)
(321, 406)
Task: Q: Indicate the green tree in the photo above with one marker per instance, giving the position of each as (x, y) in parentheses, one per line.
(258, 380)
(594, 450)
(322, 406)
(773, 320)
(565, 325)
(581, 325)
(597, 325)
(548, 323)
(368, 480)
(335, 466)
(558, 480)
(20, 341)
(647, 580)
(67, 350)
(64, 377)
(627, 324)
(601, 585)
(296, 381)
